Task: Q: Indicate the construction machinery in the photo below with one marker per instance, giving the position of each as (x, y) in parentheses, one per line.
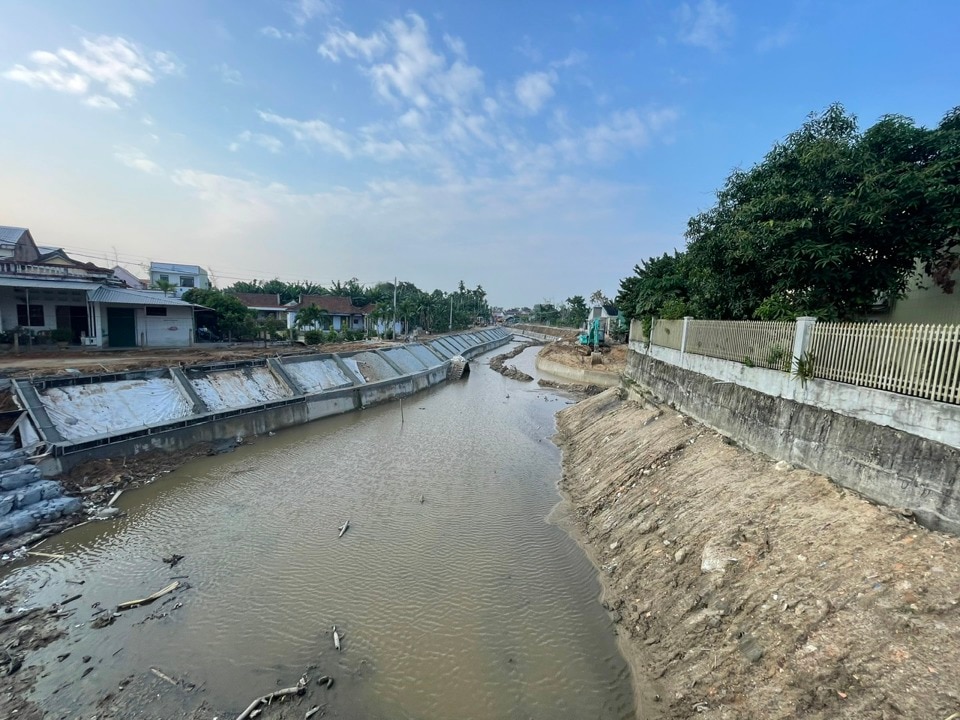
(593, 336)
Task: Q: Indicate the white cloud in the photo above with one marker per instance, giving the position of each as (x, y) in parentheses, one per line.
(776, 39)
(113, 65)
(456, 45)
(102, 102)
(313, 131)
(623, 131)
(708, 25)
(267, 142)
(345, 43)
(534, 89)
(136, 159)
(303, 11)
(229, 75)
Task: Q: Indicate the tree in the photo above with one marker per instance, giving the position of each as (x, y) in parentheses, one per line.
(831, 220)
(312, 317)
(577, 311)
(598, 298)
(165, 285)
(234, 320)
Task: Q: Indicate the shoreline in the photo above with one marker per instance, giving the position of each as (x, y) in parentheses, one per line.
(744, 588)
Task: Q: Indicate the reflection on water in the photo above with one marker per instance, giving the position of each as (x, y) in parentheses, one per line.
(466, 605)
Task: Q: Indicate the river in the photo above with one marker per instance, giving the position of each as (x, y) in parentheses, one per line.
(474, 603)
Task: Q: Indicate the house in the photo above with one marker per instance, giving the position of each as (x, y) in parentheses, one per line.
(342, 315)
(129, 279)
(264, 305)
(45, 294)
(924, 302)
(609, 315)
(181, 277)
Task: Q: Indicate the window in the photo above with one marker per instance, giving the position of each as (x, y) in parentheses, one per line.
(164, 278)
(186, 281)
(156, 312)
(33, 319)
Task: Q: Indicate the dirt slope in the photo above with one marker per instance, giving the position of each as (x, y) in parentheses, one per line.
(744, 589)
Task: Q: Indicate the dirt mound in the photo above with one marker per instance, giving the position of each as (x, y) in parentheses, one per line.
(744, 588)
(499, 363)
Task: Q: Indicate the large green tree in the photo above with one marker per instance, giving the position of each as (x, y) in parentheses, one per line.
(234, 320)
(831, 220)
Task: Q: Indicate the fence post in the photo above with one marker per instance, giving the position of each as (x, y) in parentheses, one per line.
(683, 336)
(801, 341)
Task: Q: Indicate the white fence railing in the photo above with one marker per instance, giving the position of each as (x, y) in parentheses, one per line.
(920, 360)
(766, 344)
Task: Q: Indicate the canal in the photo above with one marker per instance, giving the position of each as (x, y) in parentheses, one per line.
(472, 603)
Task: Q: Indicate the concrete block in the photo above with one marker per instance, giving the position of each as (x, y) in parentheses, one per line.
(29, 495)
(47, 510)
(10, 459)
(51, 489)
(21, 521)
(7, 501)
(17, 478)
(6, 529)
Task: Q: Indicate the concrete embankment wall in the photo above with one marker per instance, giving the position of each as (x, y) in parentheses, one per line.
(545, 332)
(86, 417)
(891, 449)
(578, 375)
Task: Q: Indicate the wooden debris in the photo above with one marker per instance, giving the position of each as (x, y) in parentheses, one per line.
(311, 712)
(298, 689)
(163, 676)
(18, 617)
(336, 638)
(172, 559)
(150, 598)
(343, 528)
(114, 498)
(52, 556)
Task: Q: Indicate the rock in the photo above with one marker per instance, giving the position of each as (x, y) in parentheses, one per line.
(680, 555)
(106, 512)
(750, 648)
(7, 501)
(648, 527)
(783, 466)
(716, 556)
(614, 545)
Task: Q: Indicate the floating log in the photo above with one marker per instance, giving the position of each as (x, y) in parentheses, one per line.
(117, 494)
(150, 598)
(343, 528)
(52, 556)
(311, 712)
(336, 638)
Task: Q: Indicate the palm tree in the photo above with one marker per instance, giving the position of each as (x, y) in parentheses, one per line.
(311, 316)
(165, 285)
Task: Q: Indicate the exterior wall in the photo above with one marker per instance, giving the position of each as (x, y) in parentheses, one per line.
(175, 329)
(9, 299)
(201, 281)
(859, 447)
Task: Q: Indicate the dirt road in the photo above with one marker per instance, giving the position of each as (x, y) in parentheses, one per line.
(744, 588)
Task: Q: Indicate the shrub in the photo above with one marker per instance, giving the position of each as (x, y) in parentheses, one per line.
(313, 337)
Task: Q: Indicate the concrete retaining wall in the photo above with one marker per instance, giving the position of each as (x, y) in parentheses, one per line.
(246, 421)
(578, 375)
(886, 464)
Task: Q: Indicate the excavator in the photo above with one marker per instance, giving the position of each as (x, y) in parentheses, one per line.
(593, 336)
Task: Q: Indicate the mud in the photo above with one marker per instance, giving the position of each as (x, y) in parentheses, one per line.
(570, 353)
(499, 363)
(744, 588)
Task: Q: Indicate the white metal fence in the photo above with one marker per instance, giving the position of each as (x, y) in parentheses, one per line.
(765, 344)
(920, 360)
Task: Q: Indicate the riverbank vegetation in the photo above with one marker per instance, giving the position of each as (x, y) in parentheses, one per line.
(831, 221)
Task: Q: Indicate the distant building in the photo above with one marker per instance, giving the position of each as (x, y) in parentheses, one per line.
(341, 313)
(609, 316)
(128, 278)
(265, 305)
(47, 296)
(182, 277)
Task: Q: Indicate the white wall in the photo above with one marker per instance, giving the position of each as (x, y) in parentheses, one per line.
(173, 330)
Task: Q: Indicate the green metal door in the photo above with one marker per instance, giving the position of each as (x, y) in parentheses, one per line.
(121, 327)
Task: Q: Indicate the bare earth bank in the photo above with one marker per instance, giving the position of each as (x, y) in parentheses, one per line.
(747, 589)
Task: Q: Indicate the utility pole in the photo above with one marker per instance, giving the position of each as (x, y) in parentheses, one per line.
(451, 312)
(393, 330)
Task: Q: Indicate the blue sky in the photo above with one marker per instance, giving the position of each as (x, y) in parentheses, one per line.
(540, 149)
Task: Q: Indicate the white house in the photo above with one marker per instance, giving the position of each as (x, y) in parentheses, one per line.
(182, 277)
(46, 296)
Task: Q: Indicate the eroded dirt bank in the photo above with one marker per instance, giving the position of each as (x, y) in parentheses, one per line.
(747, 589)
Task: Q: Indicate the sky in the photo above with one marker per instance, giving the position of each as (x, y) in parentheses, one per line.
(537, 148)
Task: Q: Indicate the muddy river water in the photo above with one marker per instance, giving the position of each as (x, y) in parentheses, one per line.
(474, 603)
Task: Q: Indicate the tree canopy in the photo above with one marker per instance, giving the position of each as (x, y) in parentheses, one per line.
(830, 221)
